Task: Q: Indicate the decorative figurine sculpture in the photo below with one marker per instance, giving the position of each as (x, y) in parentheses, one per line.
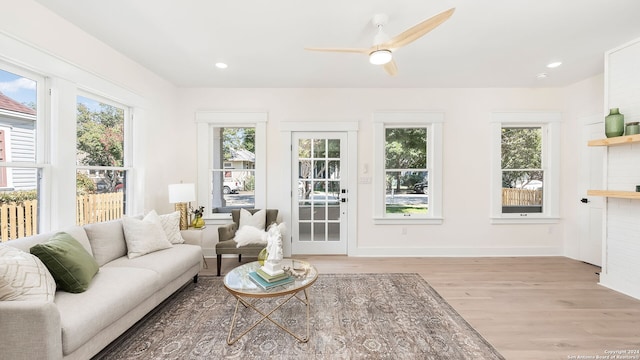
(272, 265)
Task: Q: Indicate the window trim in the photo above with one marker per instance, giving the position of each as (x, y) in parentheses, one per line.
(127, 145)
(550, 123)
(206, 121)
(433, 121)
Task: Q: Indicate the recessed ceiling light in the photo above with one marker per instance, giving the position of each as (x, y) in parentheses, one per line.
(554, 64)
(541, 76)
(221, 65)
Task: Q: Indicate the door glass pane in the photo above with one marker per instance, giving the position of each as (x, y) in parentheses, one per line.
(334, 148)
(319, 231)
(304, 169)
(319, 148)
(319, 169)
(304, 231)
(333, 232)
(304, 148)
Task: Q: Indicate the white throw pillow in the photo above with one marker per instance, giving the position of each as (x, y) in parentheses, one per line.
(250, 235)
(24, 277)
(171, 225)
(144, 236)
(256, 220)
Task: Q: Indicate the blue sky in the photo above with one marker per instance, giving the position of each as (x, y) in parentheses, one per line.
(23, 90)
(18, 88)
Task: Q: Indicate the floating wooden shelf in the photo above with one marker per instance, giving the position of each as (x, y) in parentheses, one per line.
(615, 193)
(618, 140)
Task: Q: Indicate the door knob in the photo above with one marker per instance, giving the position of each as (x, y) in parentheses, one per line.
(584, 200)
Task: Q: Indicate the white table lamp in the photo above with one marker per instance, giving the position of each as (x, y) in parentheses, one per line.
(181, 195)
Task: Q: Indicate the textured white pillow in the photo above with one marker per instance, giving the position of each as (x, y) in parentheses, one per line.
(24, 277)
(250, 235)
(144, 236)
(256, 220)
(171, 225)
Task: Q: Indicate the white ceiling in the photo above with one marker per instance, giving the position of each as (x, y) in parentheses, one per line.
(491, 43)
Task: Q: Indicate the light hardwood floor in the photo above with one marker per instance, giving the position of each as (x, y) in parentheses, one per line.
(528, 308)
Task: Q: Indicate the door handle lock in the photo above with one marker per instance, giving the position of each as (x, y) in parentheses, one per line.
(584, 200)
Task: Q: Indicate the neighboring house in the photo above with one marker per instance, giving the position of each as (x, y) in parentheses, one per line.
(17, 144)
(240, 159)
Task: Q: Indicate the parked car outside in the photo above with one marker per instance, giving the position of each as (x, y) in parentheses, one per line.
(231, 187)
(419, 187)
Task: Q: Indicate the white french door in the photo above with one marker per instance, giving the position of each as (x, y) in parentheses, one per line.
(320, 194)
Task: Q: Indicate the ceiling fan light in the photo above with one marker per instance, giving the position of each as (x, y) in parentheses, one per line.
(380, 57)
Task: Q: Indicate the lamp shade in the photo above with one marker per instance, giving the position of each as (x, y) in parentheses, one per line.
(179, 193)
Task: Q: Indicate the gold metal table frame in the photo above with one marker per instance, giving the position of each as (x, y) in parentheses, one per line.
(247, 293)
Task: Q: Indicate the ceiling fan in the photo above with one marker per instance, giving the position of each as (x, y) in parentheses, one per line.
(381, 53)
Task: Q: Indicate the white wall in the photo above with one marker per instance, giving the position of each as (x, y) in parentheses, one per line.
(466, 229)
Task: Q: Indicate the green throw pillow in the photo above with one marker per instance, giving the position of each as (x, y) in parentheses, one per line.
(68, 262)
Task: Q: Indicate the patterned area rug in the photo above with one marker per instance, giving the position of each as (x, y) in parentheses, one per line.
(353, 316)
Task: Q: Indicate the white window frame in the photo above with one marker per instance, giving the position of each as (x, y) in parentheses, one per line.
(41, 164)
(127, 146)
(550, 124)
(206, 122)
(433, 121)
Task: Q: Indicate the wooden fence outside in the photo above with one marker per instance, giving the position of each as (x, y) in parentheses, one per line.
(18, 220)
(521, 197)
(21, 219)
(94, 208)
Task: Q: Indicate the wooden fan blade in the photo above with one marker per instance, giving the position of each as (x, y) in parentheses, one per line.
(417, 31)
(391, 68)
(346, 50)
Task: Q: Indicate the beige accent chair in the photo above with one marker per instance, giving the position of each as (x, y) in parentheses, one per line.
(226, 233)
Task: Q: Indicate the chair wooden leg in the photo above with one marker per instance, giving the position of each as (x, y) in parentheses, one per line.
(219, 263)
(239, 257)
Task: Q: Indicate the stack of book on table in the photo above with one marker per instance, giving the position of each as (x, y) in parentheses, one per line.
(266, 281)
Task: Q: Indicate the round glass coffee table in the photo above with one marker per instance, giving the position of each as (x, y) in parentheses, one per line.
(238, 282)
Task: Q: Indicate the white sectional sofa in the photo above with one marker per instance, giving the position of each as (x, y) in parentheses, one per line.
(79, 325)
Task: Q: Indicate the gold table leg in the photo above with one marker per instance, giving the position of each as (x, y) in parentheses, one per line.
(267, 316)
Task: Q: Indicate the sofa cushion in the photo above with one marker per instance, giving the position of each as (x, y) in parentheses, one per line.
(168, 263)
(171, 225)
(144, 236)
(69, 263)
(24, 277)
(112, 294)
(107, 240)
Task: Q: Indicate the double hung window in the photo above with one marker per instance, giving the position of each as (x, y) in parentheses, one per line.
(231, 161)
(525, 171)
(101, 159)
(22, 160)
(409, 167)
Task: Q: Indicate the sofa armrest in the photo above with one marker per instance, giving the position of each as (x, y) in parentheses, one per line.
(227, 232)
(192, 236)
(30, 330)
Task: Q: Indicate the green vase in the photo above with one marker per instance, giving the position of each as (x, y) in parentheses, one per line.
(614, 123)
(198, 222)
(262, 256)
